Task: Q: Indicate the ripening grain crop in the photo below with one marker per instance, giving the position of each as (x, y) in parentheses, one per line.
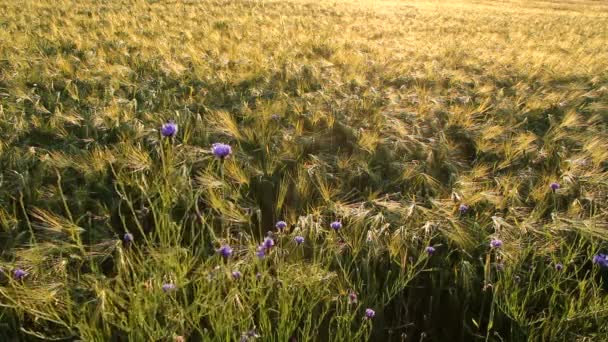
(298, 170)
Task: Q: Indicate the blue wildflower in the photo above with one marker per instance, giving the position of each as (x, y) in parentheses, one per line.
(601, 259)
(495, 243)
(168, 287)
(369, 313)
(19, 274)
(299, 239)
(169, 129)
(281, 225)
(225, 251)
(249, 335)
(221, 150)
(336, 225)
(261, 252)
(352, 297)
(463, 208)
(127, 238)
(268, 243)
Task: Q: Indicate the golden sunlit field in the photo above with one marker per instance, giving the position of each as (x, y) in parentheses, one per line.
(233, 170)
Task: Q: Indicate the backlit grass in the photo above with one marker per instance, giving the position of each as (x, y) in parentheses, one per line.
(414, 124)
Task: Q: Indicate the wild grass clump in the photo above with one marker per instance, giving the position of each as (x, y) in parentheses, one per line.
(302, 171)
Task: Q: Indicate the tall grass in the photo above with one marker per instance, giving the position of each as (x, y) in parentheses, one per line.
(384, 115)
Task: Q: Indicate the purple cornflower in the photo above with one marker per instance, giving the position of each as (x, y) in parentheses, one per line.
(268, 243)
(495, 243)
(463, 208)
(554, 186)
(369, 313)
(370, 237)
(299, 239)
(261, 252)
(281, 225)
(236, 274)
(352, 298)
(430, 250)
(19, 274)
(127, 238)
(601, 259)
(168, 287)
(559, 267)
(336, 225)
(169, 129)
(247, 336)
(225, 251)
(221, 150)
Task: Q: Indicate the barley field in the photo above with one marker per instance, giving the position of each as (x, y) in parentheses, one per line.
(299, 170)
